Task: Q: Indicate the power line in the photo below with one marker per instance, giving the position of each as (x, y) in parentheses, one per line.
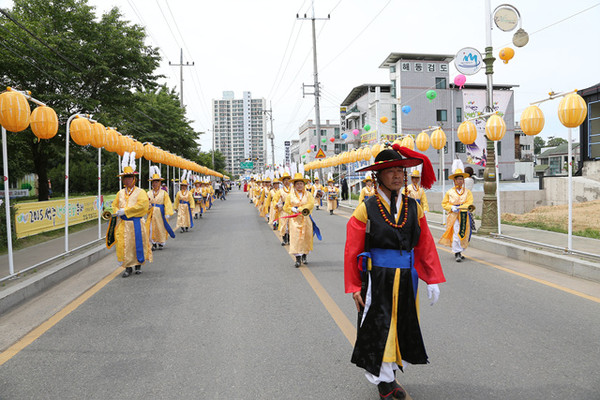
(178, 31)
(283, 57)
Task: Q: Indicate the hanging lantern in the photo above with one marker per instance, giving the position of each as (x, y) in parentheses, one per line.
(138, 147)
(122, 145)
(495, 127)
(506, 54)
(383, 120)
(81, 131)
(14, 111)
(376, 149)
(408, 142)
(366, 154)
(572, 110)
(532, 121)
(438, 139)
(422, 141)
(112, 140)
(346, 157)
(44, 122)
(467, 132)
(98, 135)
(149, 152)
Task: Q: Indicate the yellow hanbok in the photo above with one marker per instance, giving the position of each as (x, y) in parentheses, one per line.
(418, 193)
(184, 204)
(300, 227)
(458, 226)
(159, 203)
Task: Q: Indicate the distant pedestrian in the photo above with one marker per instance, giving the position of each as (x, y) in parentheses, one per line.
(344, 188)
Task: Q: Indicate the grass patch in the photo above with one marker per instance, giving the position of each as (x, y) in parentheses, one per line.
(588, 232)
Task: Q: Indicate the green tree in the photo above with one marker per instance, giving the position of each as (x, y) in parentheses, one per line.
(538, 144)
(555, 141)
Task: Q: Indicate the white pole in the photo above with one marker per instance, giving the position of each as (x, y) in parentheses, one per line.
(443, 179)
(496, 163)
(570, 193)
(11, 266)
(140, 172)
(100, 202)
(67, 137)
(149, 177)
(119, 169)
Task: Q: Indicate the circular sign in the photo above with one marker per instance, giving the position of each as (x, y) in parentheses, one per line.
(506, 17)
(468, 61)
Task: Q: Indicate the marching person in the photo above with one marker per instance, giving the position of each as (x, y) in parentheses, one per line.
(184, 203)
(457, 201)
(416, 192)
(284, 192)
(266, 193)
(273, 200)
(300, 202)
(388, 247)
(332, 194)
(128, 227)
(369, 190)
(161, 209)
(197, 195)
(318, 192)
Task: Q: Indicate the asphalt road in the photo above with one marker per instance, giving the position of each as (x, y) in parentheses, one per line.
(223, 314)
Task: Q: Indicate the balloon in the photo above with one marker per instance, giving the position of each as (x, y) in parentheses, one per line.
(506, 54)
(312, 146)
(356, 131)
(303, 155)
(332, 140)
(406, 109)
(324, 140)
(431, 94)
(367, 127)
(308, 151)
(344, 135)
(383, 120)
(459, 80)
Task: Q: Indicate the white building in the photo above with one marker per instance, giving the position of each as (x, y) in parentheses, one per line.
(308, 137)
(240, 131)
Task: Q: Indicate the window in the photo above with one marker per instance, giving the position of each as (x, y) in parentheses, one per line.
(392, 68)
(323, 132)
(336, 133)
(440, 83)
(441, 115)
(324, 147)
(459, 147)
(459, 115)
(499, 147)
(314, 132)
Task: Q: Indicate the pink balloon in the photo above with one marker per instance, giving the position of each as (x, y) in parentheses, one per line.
(312, 146)
(460, 80)
(356, 132)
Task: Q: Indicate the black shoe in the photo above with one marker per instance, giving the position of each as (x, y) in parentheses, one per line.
(195, 216)
(160, 246)
(461, 256)
(138, 269)
(127, 272)
(200, 215)
(186, 229)
(399, 393)
(298, 261)
(182, 230)
(153, 246)
(331, 212)
(304, 259)
(457, 257)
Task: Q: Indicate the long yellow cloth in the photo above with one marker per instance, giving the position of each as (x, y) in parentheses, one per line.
(183, 214)
(463, 199)
(300, 227)
(158, 232)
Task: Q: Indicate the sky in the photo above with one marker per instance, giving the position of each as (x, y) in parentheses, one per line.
(260, 46)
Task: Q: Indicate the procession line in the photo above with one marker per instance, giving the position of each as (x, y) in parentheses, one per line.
(56, 318)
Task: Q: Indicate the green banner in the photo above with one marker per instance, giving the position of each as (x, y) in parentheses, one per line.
(247, 165)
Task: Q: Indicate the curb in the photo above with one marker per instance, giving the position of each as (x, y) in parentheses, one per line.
(48, 277)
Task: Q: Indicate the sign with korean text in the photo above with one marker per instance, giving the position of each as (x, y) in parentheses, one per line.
(43, 216)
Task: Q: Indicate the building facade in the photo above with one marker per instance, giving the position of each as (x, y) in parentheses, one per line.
(240, 132)
(310, 140)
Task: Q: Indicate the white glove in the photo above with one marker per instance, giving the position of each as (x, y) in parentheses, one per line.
(294, 209)
(433, 293)
(167, 217)
(455, 208)
(121, 212)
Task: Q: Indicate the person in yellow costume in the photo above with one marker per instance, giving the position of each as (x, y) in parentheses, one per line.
(184, 204)
(318, 192)
(272, 201)
(284, 193)
(457, 202)
(131, 230)
(266, 193)
(198, 200)
(369, 190)
(256, 191)
(309, 184)
(332, 194)
(301, 226)
(205, 195)
(415, 191)
(161, 209)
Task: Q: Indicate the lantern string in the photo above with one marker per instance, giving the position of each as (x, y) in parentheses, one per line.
(553, 96)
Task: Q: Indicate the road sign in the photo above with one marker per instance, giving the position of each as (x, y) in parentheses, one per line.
(247, 165)
(320, 154)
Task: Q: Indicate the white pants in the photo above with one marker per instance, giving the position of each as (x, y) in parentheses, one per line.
(456, 247)
(386, 373)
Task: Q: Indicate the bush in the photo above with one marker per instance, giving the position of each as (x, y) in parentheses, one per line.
(26, 185)
(3, 235)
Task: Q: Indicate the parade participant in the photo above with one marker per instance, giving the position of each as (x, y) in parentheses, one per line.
(184, 204)
(284, 192)
(301, 226)
(264, 209)
(161, 209)
(388, 247)
(318, 192)
(205, 194)
(457, 201)
(309, 184)
(332, 194)
(369, 190)
(256, 191)
(127, 227)
(273, 200)
(416, 192)
(211, 194)
(197, 195)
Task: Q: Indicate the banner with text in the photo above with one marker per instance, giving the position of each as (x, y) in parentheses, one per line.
(44, 216)
(474, 103)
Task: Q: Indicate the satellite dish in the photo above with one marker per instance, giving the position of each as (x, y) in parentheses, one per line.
(516, 175)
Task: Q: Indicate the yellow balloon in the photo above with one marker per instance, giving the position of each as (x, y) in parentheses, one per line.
(532, 120)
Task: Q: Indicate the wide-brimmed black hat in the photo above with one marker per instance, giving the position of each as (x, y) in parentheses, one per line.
(389, 158)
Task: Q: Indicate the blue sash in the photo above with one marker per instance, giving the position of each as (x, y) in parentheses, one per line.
(316, 230)
(391, 258)
(190, 211)
(165, 222)
(139, 244)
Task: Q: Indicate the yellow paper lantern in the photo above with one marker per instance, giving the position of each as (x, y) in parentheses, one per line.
(44, 122)
(495, 127)
(532, 120)
(408, 142)
(98, 135)
(422, 141)
(438, 139)
(366, 154)
(122, 145)
(138, 147)
(467, 132)
(376, 149)
(112, 140)
(14, 111)
(149, 152)
(81, 131)
(572, 110)
(353, 156)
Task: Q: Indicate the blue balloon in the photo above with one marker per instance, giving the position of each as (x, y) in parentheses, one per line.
(344, 135)
(406, 109)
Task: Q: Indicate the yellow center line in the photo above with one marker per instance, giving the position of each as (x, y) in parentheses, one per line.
(55, 319)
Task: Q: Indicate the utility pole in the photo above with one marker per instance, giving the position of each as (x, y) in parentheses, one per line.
(271, 135)
(181, 65)
(315, 86)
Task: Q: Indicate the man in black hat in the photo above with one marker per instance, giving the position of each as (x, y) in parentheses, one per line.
(388, 248)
